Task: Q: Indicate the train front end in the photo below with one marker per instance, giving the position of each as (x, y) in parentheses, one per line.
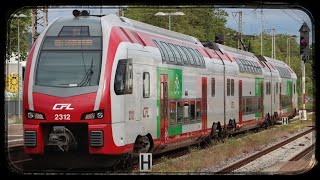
(64, 85)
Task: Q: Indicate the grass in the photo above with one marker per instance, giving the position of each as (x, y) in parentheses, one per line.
(200, 159)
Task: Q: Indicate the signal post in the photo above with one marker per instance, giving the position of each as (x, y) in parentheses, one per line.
(304, 44)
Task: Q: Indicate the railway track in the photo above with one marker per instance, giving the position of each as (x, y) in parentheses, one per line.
(18, 158)
(303, 153)
(255, 156)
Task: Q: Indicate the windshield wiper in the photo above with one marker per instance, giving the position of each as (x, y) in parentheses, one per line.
(87, 77)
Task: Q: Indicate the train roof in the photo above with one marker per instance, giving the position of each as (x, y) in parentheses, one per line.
(94, 24)
(282, 67)
(234, 50)
(159, 31)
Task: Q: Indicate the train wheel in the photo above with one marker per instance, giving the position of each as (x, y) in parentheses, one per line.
(270, 121)
(124, 164)
(213, 137)
(141, 145)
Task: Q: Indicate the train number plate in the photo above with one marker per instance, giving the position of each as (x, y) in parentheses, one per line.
(62, 117)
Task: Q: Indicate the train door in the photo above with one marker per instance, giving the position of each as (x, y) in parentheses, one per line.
(240, 102)
(291, 91)
(280, 102)
(204, 103)
(163, 108)
(261, 101)
(138, 96)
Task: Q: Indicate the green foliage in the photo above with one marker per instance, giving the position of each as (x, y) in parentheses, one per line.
(12, 36)
(201, 22)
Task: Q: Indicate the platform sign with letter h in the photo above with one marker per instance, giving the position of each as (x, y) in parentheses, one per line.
(145, 161)
(285, 120)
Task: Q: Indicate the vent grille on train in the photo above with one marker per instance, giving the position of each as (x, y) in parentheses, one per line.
(96, 138)
(30, 138)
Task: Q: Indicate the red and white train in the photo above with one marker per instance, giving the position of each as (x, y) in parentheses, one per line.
(110, 85)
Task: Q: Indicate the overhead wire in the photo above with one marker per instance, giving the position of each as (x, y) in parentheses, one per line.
(291, 16)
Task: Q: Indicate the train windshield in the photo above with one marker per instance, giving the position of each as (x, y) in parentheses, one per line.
(69, 62)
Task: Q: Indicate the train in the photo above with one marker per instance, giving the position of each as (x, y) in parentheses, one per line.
(109, 86)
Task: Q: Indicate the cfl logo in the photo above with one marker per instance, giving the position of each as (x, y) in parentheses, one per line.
(61, 106)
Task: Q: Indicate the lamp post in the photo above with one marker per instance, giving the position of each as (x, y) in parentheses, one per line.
(169, 14)
(289, 48)
(19, 16)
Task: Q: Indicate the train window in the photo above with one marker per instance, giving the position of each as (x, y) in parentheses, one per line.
(198, 111)
(190, 57)
(195, 56)
(129, 81)
(162, 51)
(277, 87)
(254, 103)
(228, 87)
(266, 87)
(146, 85)
(294, 88)
(213, 87)
(249, 105)
(173, 113)
(169, 51)
(269, 87)
(201, 57)
(256, 70)
(246, 69)
(241, 67)
(192, 109)
(244, 105)
(232, 87)
(74, 31)
(177, 53)
(183, 55)
(123, 78)
(186, 112)
(251, 70)
(180, 112)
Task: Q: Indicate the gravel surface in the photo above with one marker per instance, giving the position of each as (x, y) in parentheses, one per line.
(244, 155)
(285, 153)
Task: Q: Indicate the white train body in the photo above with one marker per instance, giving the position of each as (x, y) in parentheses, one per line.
(155, 86)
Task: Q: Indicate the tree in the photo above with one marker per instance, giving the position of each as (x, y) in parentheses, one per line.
(12, 36)
(201, 22)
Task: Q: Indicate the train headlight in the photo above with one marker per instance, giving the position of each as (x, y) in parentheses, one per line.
(30, 115)
(100, 115)
(35, 115)
(93, 115)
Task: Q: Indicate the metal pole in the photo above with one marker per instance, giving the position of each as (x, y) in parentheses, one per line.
(261, 52)
(274, 43)
(18, 71)
(240, 30)
(304, 113)
(169, 21)
(272, 47)
(289, 50)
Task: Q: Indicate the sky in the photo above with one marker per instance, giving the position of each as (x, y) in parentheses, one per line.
(284, 21)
